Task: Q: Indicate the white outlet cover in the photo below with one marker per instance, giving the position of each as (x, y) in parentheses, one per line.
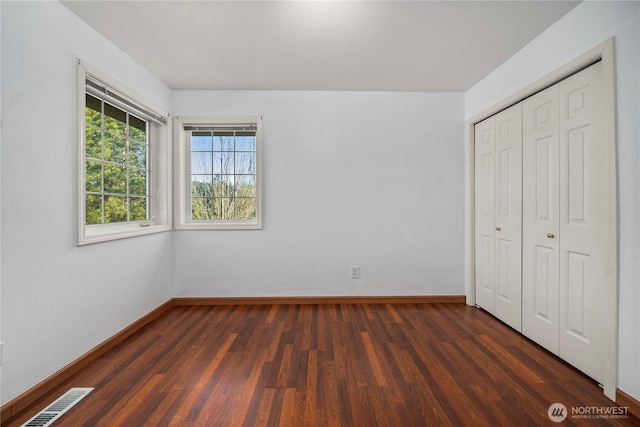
(355, 272)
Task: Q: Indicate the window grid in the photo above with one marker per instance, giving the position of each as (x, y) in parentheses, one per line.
(225, 189)
(134, 162)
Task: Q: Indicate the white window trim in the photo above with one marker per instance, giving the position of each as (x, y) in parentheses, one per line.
(159, 180)
(182, 179)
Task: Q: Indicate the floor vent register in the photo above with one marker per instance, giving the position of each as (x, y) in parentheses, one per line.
(47, 416)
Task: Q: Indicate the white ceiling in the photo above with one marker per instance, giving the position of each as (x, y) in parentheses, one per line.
(432, 46)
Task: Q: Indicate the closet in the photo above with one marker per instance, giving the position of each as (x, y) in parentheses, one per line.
(498, 190)
(543, 219)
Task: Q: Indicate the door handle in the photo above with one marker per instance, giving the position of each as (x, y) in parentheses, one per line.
(498, 228)
(550, 235)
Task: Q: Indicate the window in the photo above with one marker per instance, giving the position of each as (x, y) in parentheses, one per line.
(219, 177)
(116, 160)
(122, 163)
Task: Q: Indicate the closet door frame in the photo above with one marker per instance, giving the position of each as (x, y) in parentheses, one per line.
(605, 53)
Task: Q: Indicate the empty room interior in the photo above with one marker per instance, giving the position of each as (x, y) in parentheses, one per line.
(320, 212)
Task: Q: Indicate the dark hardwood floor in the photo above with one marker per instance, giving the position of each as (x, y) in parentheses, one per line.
(327, 365)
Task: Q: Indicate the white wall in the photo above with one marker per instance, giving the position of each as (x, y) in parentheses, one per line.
(350, 178)
(583, 28)
(59, 300)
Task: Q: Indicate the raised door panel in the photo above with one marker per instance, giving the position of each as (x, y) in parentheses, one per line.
(540, 218)
(508, 208)
(485, 213)
(584, 214)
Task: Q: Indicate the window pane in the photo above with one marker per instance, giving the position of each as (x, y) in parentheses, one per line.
(115, 120)
(201, 185)
(246, 141)
(201, 163)
(224, 185)
(93, 209)
(201, 141)
(138, 155)
(245, 186)
(222, 163)
(245, 208)
(137, 182)
(224, 208)
(93, 176)
(226, 163)
(137, 208)
(217, 142)
(115, 179)
(137, 129)
(93, 111)
(227, 143)
(217, 163)
(223, 141)
(114, 148)
(201, 208)
(115, 209)
(245, 163)
(93, 143)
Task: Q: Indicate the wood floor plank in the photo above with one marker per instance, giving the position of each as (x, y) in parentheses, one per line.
(310, 417)
(326, 365)
(290, 416)
(373, 362)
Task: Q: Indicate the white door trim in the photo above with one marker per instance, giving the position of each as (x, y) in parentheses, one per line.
(605, 53)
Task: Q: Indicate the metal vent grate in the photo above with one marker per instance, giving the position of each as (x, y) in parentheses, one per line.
(59, 407)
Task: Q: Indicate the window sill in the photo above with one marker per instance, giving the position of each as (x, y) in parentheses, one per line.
(218, 226)
(117, 231)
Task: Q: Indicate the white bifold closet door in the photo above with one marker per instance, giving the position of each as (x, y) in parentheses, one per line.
(498, 190)
(565, 219)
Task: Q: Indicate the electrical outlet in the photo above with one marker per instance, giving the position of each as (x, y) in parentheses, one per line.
(355, 272)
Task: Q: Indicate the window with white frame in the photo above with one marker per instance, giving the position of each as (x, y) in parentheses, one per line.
(123, 167)
(219, 173)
